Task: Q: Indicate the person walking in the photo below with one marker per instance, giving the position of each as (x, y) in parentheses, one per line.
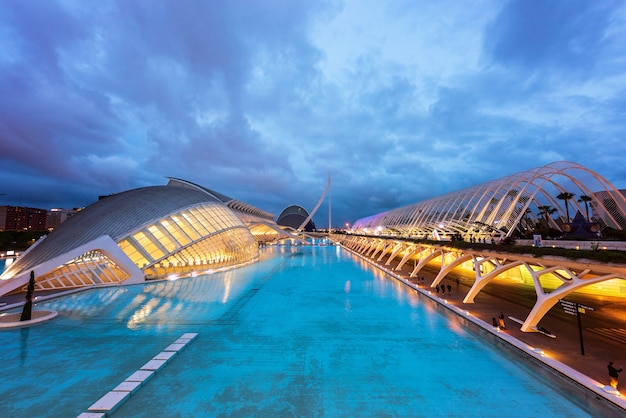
(501, 320)
(614, 375)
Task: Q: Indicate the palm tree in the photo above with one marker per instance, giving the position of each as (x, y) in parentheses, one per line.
(546, 211)
(586, 199)
(566, 196)
(526, 218)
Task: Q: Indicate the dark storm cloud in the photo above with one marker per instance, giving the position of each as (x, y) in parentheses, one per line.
(261, 100)
(92, 88)
(540, 35)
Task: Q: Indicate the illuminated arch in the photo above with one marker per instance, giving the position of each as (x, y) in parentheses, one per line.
(570, 275)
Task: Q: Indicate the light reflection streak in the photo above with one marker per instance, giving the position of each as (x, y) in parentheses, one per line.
(457, 327)
(125, 312)
(228, 282)
(141, 314)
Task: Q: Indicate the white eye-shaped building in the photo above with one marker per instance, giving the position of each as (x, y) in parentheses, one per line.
(148, 233)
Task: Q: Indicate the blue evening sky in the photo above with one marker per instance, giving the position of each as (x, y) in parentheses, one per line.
(261, 99)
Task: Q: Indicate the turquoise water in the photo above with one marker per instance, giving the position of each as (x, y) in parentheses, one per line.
(3, 263)
(308, 331)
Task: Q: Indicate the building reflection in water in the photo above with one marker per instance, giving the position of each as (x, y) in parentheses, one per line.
(157, 303)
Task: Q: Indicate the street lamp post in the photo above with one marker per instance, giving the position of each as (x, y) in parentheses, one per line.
(573, 308)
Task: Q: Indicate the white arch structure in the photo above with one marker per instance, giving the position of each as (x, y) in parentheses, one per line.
(499, 208)
(317, 206)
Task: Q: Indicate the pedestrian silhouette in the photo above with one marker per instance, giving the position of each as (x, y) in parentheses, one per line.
(494, 322)
(449, 288)
(613, 374)
(501, 318)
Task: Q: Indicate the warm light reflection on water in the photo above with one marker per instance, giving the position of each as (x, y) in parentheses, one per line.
(140, 314)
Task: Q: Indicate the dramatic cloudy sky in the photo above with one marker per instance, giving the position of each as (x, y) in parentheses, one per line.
(262, 99)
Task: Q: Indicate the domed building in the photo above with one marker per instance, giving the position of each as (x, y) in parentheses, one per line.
(141, 234)
(293, 216)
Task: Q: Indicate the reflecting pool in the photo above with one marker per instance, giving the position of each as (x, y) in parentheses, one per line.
(307, 331)
(5, 263)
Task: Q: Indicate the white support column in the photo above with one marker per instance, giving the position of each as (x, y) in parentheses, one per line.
(413, 249)
(399, 247)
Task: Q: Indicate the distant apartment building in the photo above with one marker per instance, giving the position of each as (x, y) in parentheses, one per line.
(614, 204)
(58, 216)
(17, 218)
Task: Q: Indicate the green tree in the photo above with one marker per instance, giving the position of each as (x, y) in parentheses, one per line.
(565, 197)
(527, 218)
(545, 212)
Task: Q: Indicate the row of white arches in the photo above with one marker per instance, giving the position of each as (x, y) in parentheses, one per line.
(552, 280)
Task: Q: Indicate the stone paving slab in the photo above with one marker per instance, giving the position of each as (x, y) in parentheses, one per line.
(128, 386)
(174, 347)
(154, 365)
(113, 399)
(109, 402)
(164, 355)
(140, 376)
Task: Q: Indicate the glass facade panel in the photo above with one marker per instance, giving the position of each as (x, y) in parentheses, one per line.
(91, 268)
(183, 223)
(153, 249)
(205, 219)
(133, 253)
(176, 232)
(161, 235)
(141, 238)
(190, 241)
(144, 240)
(196, 223)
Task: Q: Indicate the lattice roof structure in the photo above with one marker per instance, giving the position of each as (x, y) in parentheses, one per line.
(508, 206)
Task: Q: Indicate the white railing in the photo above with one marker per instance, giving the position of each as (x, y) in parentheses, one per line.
(578, 245)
